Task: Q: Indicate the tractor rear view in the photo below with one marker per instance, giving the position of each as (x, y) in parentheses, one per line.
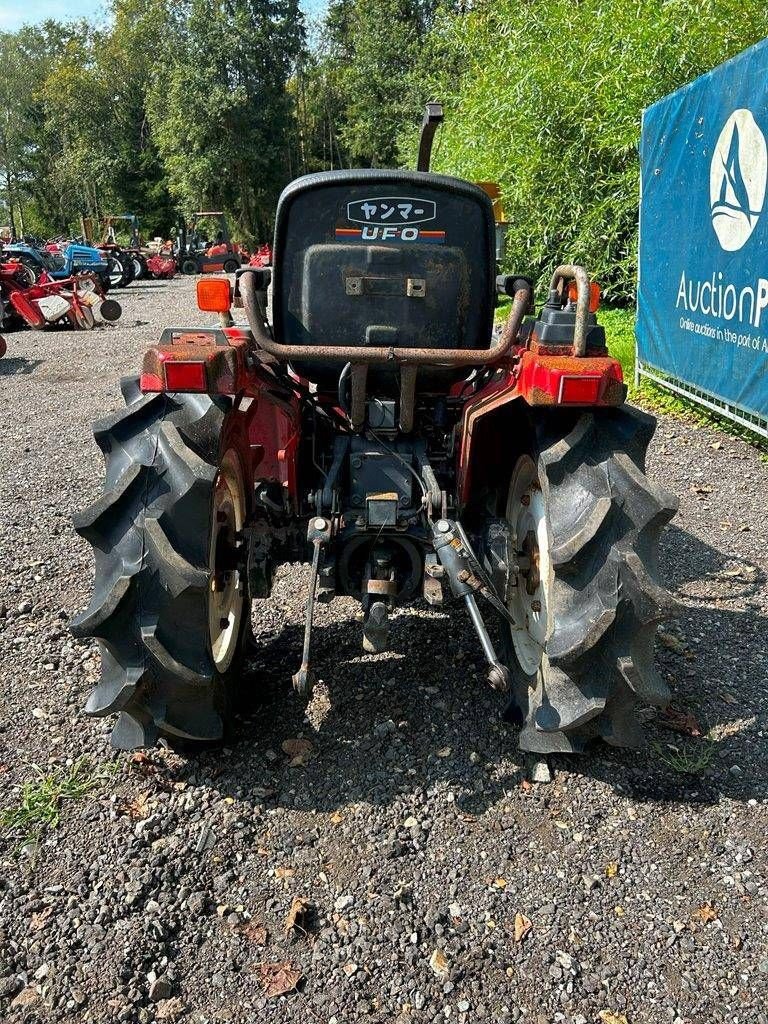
(378, 427)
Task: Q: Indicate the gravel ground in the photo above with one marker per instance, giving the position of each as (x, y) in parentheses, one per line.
(405, 824)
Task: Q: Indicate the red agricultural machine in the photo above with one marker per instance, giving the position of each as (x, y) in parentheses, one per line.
(45, 302)
(379, 427)
(197, 253)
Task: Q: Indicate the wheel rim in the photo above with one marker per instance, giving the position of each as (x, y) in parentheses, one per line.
(85, 318)
(226, 598)
(529, 600)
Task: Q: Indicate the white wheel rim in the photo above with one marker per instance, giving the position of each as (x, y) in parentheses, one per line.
(529, 600)
(226, 598)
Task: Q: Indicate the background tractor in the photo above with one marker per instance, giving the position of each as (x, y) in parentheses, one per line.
(205, 246)
(372, 421)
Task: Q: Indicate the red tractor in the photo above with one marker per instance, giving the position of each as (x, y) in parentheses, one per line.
(379, 427)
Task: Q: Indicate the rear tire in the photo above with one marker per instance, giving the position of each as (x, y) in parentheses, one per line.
(586, 521)
(189, 266)
(231, 266)
(170, 606)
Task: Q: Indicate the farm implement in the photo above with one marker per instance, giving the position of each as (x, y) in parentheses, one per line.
(378, 426)
(43, 302)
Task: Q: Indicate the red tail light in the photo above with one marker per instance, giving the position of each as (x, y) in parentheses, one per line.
(185, 376)
(579, 390)
(594, 295)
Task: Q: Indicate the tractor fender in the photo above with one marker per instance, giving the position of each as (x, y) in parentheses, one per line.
(219, 361)
(554, 381)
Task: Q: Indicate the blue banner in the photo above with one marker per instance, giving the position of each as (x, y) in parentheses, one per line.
(703, 288)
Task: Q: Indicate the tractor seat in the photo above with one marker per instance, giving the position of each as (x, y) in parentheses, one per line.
(383, 258)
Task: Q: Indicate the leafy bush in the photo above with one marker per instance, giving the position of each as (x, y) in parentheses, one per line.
(547, 99)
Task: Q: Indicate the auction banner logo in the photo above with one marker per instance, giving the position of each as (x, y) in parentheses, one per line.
(737, 179)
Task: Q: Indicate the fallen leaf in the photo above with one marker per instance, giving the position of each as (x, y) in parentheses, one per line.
(609, 1017)
(500, 883)
(297, 915)
(38, 921)
(439, 964)
(169, 1009)
(337, 818)
(612, 869)
(523, 925)
(619, 911)
(444, 752)
(672, 643)
(717, 445)
(254, 932)
(284, 872)
(679, 721)
(143, 763)
(278, 979)
(138, 808)
(299, 750)
(705, 914)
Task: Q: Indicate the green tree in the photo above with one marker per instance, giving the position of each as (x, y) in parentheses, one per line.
(219, 109)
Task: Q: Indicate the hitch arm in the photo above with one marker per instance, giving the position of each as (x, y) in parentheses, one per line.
(318, 533)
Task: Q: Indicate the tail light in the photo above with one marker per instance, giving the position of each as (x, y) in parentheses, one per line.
(185, 376)
(594, 295)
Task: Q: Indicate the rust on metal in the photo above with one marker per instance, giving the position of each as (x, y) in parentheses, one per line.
(381, 354)
(572, 272)
(407, 397)
(359, 379)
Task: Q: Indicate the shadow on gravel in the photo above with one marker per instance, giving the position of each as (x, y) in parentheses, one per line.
(17, 366)
(715, 657)
(422, 715)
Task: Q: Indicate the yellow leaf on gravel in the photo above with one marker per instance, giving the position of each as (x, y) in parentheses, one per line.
(500, 883)
(337, 818)
(609, 1017)
(297, 915)
(284, 872)
(523, 925)
(705, 914)
(612, 869)
(439, 964)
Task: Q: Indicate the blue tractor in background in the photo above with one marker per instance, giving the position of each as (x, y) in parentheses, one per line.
(74, 259)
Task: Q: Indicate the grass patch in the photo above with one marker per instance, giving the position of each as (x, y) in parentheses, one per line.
(43, 796)
(687, 758)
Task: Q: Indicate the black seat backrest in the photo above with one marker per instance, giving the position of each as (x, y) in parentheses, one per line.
(383, 258)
